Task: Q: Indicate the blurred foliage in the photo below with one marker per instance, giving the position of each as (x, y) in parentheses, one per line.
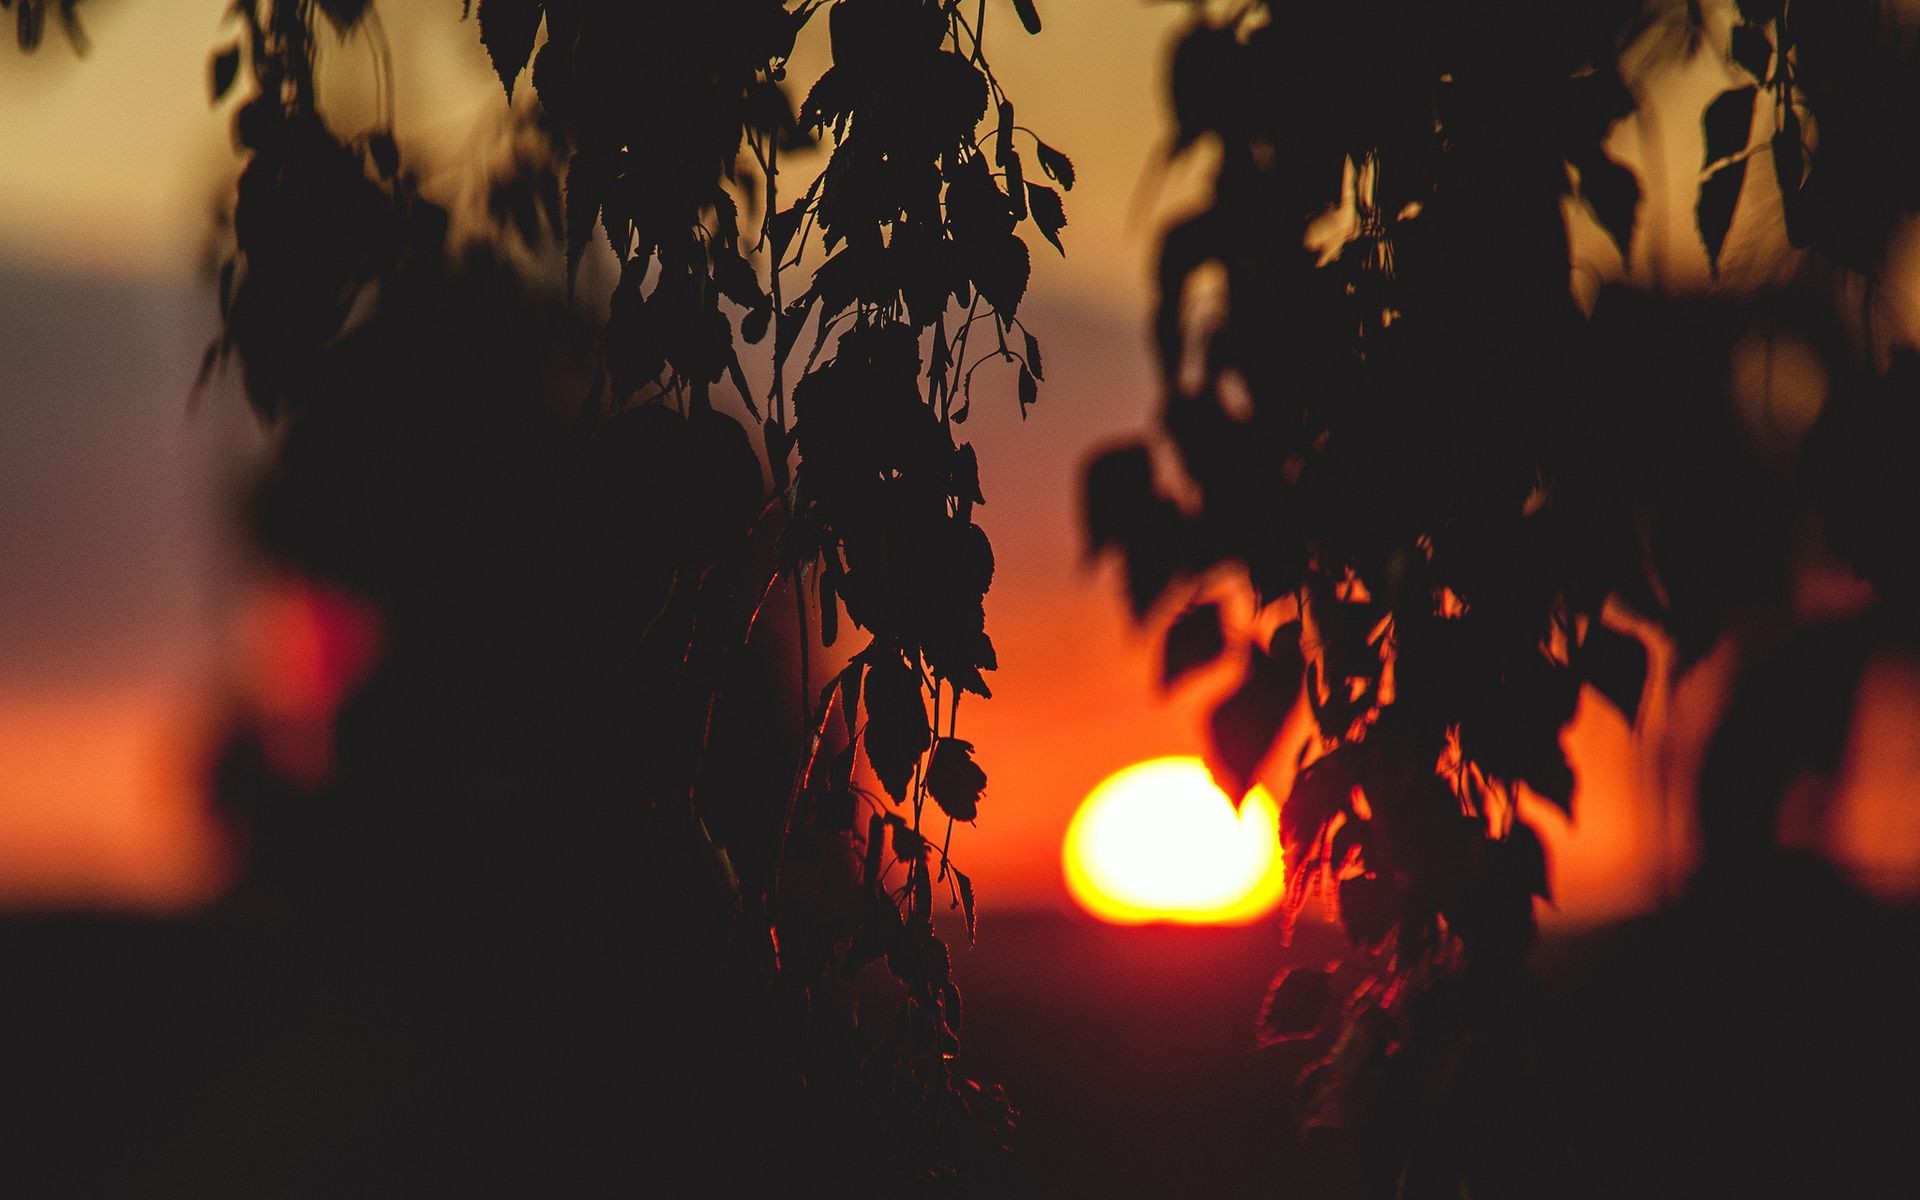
(580, 720)
(1455, 496)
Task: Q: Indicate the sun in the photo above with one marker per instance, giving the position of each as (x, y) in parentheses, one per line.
(1158, 841)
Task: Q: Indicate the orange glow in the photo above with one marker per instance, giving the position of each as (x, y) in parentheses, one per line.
(1159, 841)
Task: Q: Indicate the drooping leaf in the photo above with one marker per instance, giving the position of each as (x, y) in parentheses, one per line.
(966, 903)
(1727, 122)
(1193, 640)
(225, 67)
(897, 727)
(1320, 792)
(1753, 50)
(1616, 665)
(1369, 908)
(385, 153)
(1613, 194)
(1049, 214)
(1029, 389)
(1789, 158)
(1033, 357)
(1242, 729)
(1526, 860)
(508, 29)
(1719, 195)
(1056, 165)
(955, 780)
(344, 14)
(1297, 1006)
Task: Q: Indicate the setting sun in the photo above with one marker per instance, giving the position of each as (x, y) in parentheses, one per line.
(1158, 841)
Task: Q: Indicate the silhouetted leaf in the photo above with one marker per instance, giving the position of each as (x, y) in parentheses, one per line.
(1029, 16)
(225, 66)
(1049, 215)
(1526, 860)
(1322, 791)
(1789, 158)
(1297, 1006)
(1369, 908)
(1753, 50)
(897, 727)
(1242, 729)
(1193, 640)
(385, 154)
(1727, 122)
(966, 902)
(955, 780)
(1033, 357)
(1714, 214)
(1616, 665)
(1029, 389)
(344, 14)
(1613, 194)
(508, 29)
(1056, 165)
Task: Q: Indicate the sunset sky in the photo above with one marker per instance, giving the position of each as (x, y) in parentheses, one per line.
(117, 587)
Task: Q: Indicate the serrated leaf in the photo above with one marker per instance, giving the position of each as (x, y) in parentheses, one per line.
(1057, 165)
(1049, 214)
(954, 780)
(1033, 357)
(508, 29)
(1029, 390)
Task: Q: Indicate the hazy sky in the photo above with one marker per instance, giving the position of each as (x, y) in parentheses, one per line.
(110, 527)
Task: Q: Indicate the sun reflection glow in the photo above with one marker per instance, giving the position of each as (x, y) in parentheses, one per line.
(1158, 841)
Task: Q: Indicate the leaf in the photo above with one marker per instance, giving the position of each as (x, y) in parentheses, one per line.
(508, 29)
(1714, 213)
(1055, 164)
(1193, 640)
(1369, 909)
(225, 67)
(1752, 50)
(385, 153)
(1033, 357)
(1789, 158)
(1613, 194)
(966, 903)
(1616, 665)
(344, 14)
(1526, 860)
(1049, 214)
(1029, 16)
(1242, 729)
(955, 780)
(1029, 389)
(908, 845)
(1320, 792)
(1727, 122)
(897, 726)
(1297, 1005)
